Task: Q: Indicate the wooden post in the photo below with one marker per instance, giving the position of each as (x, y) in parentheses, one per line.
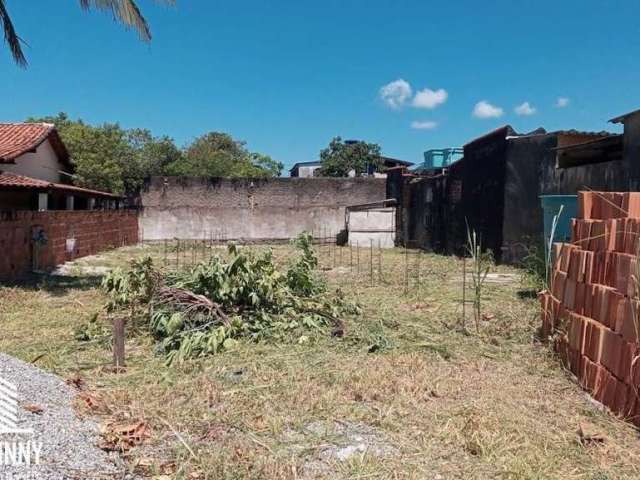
(118, 343)
(379, 263)
(350, 257)
(464, 292)
(333, 247)
(371, 260)
(165, 252)
(406, 269)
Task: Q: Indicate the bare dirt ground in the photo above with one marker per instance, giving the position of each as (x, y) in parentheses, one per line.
(406, 393)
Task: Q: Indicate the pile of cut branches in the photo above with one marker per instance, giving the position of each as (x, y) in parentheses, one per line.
(204, 309)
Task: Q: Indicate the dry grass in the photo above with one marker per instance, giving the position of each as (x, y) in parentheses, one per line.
(450, 404)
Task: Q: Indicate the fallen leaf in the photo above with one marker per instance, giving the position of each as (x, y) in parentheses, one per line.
(168, 468)
(588, 434)
(122, 437)
(214, 432)
(91, 402)
(33, 408)
(144, 466)
(434, 393)
(488, 316)
(76, 381)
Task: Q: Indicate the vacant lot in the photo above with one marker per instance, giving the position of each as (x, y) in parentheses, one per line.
(405, 393)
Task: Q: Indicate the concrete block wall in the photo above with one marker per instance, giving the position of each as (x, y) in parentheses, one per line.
(69, 234)
(591, 308)
(250, 209)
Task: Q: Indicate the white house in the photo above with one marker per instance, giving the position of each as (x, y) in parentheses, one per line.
(36, 172)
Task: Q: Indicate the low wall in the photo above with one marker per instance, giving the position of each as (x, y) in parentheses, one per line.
(69, 235)
(250, 209)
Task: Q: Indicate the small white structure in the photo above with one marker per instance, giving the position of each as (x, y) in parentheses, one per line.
(372, 224)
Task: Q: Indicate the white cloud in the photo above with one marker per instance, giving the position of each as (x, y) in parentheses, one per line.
(562, 102)
(396, 93)
(525, 109)
(426, 125)
(430, 99)
(484, 109)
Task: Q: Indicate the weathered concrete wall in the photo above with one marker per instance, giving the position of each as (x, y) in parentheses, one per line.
(250, 209)
(632, 150)
(522, 227)
(531, 171)
(483, 178)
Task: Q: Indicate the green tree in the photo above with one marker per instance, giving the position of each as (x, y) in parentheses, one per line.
(151, 156)
(124, 11)
(217, 154)
(340, 158)
(265, 166)
(109, 158)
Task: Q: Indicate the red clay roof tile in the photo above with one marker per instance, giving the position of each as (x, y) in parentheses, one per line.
(18, 138)
(11, 180)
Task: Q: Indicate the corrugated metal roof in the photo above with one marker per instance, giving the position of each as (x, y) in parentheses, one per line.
(505, 130)
(582, 133)
(572, 132)
(598, 142)
(622, 118)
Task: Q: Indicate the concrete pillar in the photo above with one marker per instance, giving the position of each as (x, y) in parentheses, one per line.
(70, 202)
(43, 202)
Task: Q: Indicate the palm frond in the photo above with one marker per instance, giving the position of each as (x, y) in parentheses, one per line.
(11, 37)
(126, 12)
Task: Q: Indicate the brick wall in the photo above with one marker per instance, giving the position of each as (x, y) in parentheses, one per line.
(93, 232)
(592, 306)
(250, 209)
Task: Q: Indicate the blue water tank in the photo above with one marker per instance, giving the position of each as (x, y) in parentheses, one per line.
(551, 206)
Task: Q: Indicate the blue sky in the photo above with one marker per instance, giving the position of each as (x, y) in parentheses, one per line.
(288, 75)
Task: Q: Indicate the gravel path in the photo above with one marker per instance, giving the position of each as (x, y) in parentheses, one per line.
(69, 444)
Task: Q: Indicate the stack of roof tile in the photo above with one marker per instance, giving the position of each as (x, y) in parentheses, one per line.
(592, 305)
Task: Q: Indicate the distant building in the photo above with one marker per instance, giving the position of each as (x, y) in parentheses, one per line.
(304, 169)
(631, 144)
(35, 172)
(387, 163)
(495, 187)
(308, 169)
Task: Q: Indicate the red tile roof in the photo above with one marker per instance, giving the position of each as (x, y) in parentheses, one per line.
(16, 139)
(11, 180)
